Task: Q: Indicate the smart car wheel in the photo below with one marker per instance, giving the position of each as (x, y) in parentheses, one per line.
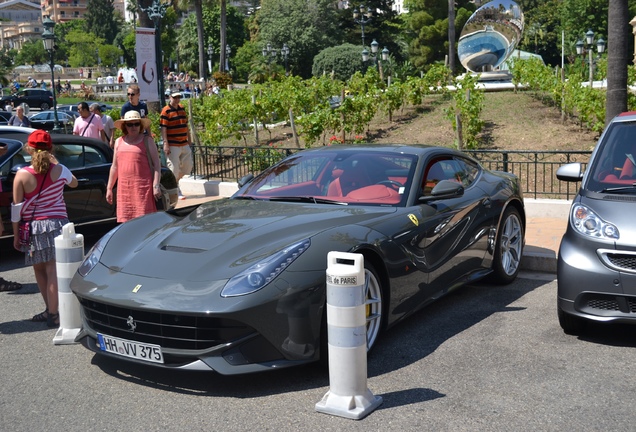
(570, 324)
(44, 106)
(508, 248)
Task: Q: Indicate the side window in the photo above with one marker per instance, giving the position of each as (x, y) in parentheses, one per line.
(460, 170)
(70, 155)
(92, 156)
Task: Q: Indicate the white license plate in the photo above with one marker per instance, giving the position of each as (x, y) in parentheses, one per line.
(126, 348)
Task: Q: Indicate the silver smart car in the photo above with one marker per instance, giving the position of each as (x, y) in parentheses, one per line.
(597, 257)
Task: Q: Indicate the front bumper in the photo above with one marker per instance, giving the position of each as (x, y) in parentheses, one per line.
(596, 282)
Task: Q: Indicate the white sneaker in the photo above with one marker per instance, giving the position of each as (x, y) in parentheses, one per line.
(181, 196)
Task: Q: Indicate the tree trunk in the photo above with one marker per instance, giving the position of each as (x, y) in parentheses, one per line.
(223, 36)
(198, 9)
(617, 59)
(451, 36)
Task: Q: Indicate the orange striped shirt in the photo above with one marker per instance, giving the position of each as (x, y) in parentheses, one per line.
(175, 120)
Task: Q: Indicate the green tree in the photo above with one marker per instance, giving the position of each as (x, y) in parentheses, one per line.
(101, 19)
(32, 53)
(61, 41)
(187, 42)
(340, 61)
(110, 55)
(84, 47)
(306, 26)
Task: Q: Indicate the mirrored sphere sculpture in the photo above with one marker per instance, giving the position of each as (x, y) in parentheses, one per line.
(490, 35)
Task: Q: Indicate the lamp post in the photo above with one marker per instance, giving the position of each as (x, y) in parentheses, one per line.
(589, 44)
(210, 54)
(228, 51)
(285, 52)
(156, 11)
(269, 53)
(362, 16)
(49, 45)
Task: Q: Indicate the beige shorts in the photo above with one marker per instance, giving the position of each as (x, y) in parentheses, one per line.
(180, 160)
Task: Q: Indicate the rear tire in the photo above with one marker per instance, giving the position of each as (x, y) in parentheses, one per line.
(508, 248)
(45, 106)
(570, 324)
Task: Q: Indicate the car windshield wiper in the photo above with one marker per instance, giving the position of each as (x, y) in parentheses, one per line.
(621, 189)
(309, 199)
(244, 197)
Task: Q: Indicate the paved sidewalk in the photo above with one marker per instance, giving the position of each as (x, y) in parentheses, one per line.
(546, 223)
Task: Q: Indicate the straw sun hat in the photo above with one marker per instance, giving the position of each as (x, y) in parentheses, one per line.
(133, 116)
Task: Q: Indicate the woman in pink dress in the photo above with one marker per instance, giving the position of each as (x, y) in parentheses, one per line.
(137, 182)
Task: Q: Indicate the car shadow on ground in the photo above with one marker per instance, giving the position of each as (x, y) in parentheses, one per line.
(403, 345)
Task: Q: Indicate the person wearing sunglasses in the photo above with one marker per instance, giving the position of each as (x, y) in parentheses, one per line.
(137, 180)
(133, 103)
(176, 138)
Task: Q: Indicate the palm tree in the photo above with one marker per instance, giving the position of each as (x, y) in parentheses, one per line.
(451, 35)
(223, 35)
(617, 59)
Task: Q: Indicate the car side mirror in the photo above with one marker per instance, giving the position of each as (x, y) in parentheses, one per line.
(245, 180)
(571, 172)
(445, 189)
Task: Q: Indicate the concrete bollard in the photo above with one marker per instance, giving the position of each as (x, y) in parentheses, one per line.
(348, 395)
(69, 253)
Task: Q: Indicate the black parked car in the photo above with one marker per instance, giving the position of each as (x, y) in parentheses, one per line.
(46, 120)
(32, 97)
(4, 117)
(87, 158)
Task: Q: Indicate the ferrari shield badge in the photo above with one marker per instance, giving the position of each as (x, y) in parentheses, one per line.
(414, 219)
(136, 288)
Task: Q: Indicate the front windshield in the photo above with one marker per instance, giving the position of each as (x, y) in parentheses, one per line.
(339, 176)
(614, 165)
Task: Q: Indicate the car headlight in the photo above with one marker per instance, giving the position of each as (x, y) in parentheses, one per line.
(588, 223)
(91, 260)
(263, 272)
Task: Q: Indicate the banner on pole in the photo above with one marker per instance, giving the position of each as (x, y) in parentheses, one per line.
(147, 74)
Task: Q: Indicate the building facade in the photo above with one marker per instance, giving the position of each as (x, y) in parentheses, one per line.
(21, 21)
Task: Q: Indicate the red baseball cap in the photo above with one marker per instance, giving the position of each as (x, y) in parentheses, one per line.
(40, 140)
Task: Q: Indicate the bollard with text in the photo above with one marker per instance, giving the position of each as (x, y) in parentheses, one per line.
(69, 253)
(348, 395)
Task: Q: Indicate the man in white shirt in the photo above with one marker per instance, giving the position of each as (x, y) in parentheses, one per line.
(107, 122)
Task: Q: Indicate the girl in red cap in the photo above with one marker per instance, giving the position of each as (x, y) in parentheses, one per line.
(38, 200)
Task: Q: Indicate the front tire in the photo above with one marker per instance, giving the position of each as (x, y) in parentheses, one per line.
(508, 248)
(45, 106)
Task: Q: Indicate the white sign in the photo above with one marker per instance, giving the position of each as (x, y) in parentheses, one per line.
(147, 72)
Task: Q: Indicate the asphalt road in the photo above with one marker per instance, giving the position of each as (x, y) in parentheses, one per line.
(484, 358)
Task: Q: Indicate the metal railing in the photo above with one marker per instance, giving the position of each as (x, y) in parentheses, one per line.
(536, 169)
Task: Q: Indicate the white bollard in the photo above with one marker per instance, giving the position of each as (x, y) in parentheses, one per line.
(69, 253)
(348, 395)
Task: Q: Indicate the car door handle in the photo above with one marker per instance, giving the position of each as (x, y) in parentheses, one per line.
(83, 180)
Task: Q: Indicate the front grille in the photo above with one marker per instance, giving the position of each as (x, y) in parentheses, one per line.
(622, 261)
(182, 332)
(609, 304)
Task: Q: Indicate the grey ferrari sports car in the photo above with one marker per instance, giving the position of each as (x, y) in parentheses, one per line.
(238, 285)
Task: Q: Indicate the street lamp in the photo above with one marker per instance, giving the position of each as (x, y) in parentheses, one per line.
(285, 52)
(269, 53)
(228, 51)
(589, 43)
(210, 54)
(374, 55)
(362, 16)
(156, 11)
(49, 45)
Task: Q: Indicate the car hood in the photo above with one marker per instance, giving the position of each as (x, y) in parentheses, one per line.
(221, 238)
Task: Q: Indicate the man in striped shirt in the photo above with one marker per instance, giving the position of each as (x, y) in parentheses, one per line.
(176, 138)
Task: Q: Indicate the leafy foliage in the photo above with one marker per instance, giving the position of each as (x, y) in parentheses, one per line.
(341, 61)
(101, 19)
